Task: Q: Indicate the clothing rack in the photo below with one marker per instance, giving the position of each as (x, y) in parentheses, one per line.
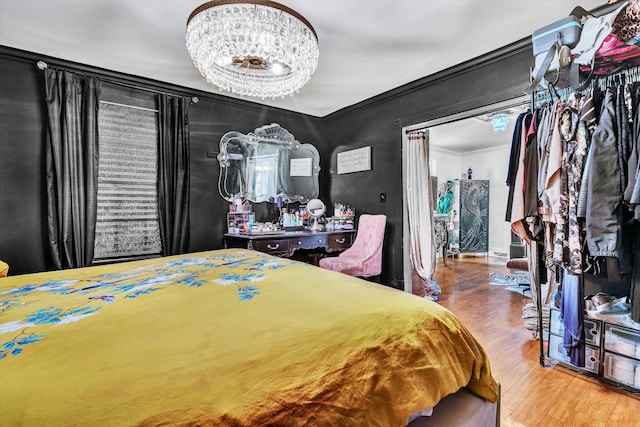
(548, 96)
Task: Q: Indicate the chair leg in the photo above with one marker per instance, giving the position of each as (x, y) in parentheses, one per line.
(316, 257)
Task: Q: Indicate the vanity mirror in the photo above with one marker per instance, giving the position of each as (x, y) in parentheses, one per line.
(267, 164)
(316, 209)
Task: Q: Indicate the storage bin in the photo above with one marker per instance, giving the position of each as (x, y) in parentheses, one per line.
(621, 369)
(621, 340)
(556, 323)
(592, 331)
(592, 328)
(558, 352)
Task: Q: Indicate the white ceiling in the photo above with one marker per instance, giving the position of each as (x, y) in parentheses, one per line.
(367, 47)
(475, 131)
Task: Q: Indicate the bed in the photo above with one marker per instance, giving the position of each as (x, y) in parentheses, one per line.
(232, 338)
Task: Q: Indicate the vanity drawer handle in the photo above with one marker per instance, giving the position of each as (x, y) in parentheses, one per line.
(299, 242)
(319, 240)
(273, 247)
(341, 240)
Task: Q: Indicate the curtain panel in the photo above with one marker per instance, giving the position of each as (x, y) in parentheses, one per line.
(173, 174)
(421, 226)
(71, 166)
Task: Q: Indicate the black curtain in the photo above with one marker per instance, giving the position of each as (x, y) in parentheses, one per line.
(71, 166)
(173, 174)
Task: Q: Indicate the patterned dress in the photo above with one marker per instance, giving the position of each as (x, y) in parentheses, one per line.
(567, 248)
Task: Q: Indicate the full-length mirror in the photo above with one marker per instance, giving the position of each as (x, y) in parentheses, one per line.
(267, 164)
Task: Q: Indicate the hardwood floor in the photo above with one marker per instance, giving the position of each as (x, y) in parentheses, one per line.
(531, 395)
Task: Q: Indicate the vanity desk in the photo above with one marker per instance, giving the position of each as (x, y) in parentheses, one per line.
(286, 243)
(270, 165)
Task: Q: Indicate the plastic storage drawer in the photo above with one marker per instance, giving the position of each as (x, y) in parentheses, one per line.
(558, 352)
(622, 341)
(592, 328)
(622, 369)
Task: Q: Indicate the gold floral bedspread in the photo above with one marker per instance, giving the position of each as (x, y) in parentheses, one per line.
(229, 337)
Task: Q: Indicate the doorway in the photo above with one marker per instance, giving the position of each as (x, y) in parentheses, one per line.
(476, 141)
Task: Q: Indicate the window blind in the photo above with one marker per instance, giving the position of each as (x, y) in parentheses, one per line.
(127, 223)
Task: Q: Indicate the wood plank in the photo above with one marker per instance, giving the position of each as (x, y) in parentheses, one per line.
(626, 412)
(596, 401)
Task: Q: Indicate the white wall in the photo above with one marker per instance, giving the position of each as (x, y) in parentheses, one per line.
(490, 164)
(444, 164)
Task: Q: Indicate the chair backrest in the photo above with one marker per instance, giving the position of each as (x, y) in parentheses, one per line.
(370, 236)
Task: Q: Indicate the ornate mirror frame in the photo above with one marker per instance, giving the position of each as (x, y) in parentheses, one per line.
(267, 164)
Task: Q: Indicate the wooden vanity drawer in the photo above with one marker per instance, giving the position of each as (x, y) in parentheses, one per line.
(339, 241)
(287, 243)
(308, 242)
(271, 246)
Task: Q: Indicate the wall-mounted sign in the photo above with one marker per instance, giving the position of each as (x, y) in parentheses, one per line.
(301, 167)
(354, 160)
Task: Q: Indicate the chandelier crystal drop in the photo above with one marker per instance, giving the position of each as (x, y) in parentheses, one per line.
(253, 48)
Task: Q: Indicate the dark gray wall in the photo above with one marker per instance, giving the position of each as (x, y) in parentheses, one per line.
(23, 238)
(22, 194)
(376, 122)
(209, 120)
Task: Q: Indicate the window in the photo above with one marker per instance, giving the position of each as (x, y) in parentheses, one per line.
(127, 223)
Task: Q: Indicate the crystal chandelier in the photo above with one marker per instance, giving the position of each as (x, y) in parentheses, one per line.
(254, 48)
(499, 123)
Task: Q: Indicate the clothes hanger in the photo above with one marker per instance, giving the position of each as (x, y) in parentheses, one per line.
(553, 92)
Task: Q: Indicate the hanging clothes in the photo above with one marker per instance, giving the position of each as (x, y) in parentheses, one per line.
(553, 170)
(586, 170)
(514, 158)
(530, 165)
(632, 197)
(624, 118)
(603, 212)
(632, 192)
(567, 248)
(518, 225)
(632, 164)
(571, 310)
(545, 131)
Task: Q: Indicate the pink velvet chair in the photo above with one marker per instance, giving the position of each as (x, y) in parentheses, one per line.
(364, 257)
(4, 269)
